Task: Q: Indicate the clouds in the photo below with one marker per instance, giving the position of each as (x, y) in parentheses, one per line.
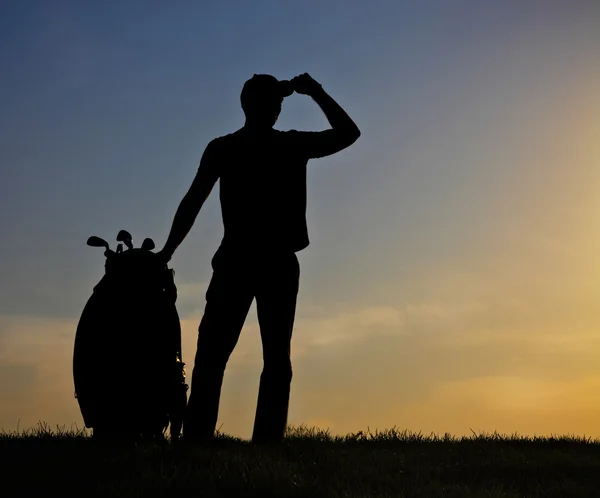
(412, 380)
(190, 298)
(384, 366)
(446, 350)
(17, 382)
(441, 366)
(347, 325)
(35, 371)
(510, 404)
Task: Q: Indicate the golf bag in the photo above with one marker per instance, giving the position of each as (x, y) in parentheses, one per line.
(127, 366)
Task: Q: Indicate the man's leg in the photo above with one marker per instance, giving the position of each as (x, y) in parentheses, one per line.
(276, 308)
(228, 300)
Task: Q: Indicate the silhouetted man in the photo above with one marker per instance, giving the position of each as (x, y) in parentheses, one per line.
(263, 203)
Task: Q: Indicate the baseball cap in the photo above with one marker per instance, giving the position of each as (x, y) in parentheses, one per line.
(263, 87)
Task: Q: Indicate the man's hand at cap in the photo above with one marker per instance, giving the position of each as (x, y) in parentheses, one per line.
(305, 84)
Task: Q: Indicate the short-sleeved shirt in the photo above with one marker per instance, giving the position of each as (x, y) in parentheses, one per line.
(263, 187)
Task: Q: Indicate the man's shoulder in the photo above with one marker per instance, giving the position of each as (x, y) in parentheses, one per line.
(223, 139)
(221, 143)
(242, 136)
(285, 138)
(292, 138)
(294, 134)
(286, 133)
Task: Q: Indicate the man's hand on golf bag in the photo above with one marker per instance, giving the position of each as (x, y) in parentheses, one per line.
(164, 255)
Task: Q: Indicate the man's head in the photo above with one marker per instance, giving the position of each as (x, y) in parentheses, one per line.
(261, 98)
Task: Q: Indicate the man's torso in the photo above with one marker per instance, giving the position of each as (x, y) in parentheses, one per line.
(262, 191)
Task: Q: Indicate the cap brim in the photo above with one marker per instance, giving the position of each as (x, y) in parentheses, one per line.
(285, 88)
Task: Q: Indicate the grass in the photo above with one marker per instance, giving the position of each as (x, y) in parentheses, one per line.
(311, 463)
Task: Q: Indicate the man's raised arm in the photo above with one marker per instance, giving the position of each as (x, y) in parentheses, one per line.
(204, 181)
(343, 132)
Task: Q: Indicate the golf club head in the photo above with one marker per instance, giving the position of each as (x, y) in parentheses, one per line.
(94, 241)
(125, 236)
(119, 248)
(148, 244)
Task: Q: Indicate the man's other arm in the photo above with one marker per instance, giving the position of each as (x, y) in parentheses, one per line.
(185, 216)
(343, 132)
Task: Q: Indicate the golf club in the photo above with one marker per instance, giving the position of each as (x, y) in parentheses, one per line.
(148, 244)
(94, 241)
(125, 236)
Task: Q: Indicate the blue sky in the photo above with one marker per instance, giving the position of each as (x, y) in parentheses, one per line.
(468, 206)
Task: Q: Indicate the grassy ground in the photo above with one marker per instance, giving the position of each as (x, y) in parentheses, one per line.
(311, 463)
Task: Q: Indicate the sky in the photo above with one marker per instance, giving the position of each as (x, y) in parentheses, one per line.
(453, 277)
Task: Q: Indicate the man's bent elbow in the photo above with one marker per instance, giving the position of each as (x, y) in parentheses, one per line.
(353, 135)
(339, 139)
